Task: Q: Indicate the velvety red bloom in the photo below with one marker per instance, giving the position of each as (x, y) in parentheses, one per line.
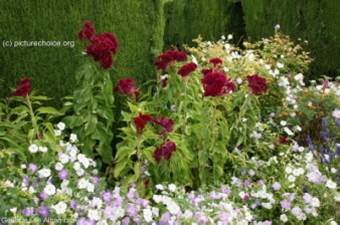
(206, 71)
(283, 140)
(257, 84)
(103, 45)
(216, 61)
(164, 82)
(169, 57)
(164, 151)
(24, 88)
(186, 69)
(126, 86)
(147, 183)
(167, 124)
(216, 84)
(88, 32)
(141, 121)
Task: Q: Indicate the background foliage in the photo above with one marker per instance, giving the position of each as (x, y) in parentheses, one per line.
(145, 28)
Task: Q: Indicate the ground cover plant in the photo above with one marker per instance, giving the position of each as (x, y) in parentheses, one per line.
(223, 135)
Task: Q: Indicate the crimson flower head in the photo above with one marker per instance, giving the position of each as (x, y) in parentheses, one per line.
(103, 45)
(127, 87)
(186, 69)
(167, 124)
(141, 121)
(257, 84)
(24, 88)
(216, 61)
(164, 151)
(217, 84)
(168, 58)
(283, 140)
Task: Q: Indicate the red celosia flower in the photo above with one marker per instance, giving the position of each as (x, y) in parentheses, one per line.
(164, 151)
(164, 81)
(283, 140)
(257, 84)
(216, 61)
(103, 45)
(127, 87)
(206, 71)
(216, 84)
(141, 121)
(88, 32)
(166, 124)
(24, 88)
(186, 69)
(168, 58)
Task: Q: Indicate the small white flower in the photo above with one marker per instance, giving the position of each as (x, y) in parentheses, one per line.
(155, 211)
(94, 214)
(50, 189)
(159, 187)
(315, 202)
(64, 184)
(44, 173)
(58, 166)
(23, 166)
(333, 170)
(61, 126)
(43, 149)
(147, 213)
(73, 138)
(57, 133)
(84, 160)
(82, 184)
(251, 172)
(64, 158)
(330, 184)
(173, 208)
(288, 131)
(13, 210)
(267, 205)
(76, 166)
(80, 172)
(291, 178)
(33, 148)
(288, 169)
(280, 65)
(60, 208)
(230, 37)
(157, 198)
(283, 123)
(333, 223)
(90, 187)
(172, 187)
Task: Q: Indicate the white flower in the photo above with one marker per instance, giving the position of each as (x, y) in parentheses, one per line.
(13, 210)
(280, 65)
(80, 172)
(155, 211)
(23, 166)
(44, 173)
(333, 223)
(76, 166)
(33, 148)
(251, 172)
(333, 170)
(288, 169)
(90, 187)
(157, 198)
(315, 202)
(288, 131)
(94, 214)
(84, 160)
(73, 138)
(9, 184)
(291, 178)
(173, 208)
(159, 187)
(172, 187)
(64, 184)
(147, 213)
(57, 132)
(43, 149)
(187, 214)
(330, 184)
(267, 205)
(97, 202)
(50, 189)
(283, 123)
(58, 166)
(60, 208)
(61, 126)
(336, 113)
(230, 37)
(82, 184)
(64, 158)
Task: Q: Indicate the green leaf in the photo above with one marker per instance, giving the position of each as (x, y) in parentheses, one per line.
(48, 110)
(125, 152)
(120, 165)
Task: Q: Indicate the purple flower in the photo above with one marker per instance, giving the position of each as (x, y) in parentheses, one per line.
(224, 217)
(165, 218)
(118, 202)
(107, 196)
(308, 198)
(267, 222)
(247, 183)
(28, 211)
(285, 204)
(137, 221)
(25, 180)
(142, 202)
(63, 174)
(73, 204)
(33, 167)
(126, 221)
(83, 221)
(132, 209)
(226, 190)
(260, 182)
(296, 211)
(214, 195)
(131, 193)
(276, 186)
(108, 211)
(95, 180)
(316, 177)
(43, 196)
(44, 211)
(255, 204)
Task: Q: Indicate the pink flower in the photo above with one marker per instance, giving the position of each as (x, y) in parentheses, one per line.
(186, 69)
(257, 84)
(164, 151)
(127, 87)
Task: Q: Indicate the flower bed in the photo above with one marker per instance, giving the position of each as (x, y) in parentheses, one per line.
(224, 135)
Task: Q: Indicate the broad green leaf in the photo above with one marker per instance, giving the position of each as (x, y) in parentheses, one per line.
(48, 110)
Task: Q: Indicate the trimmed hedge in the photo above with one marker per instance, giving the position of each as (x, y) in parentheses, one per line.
(314, 21)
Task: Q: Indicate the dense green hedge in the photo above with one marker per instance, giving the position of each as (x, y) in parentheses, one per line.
(314, 21)
(135, 23)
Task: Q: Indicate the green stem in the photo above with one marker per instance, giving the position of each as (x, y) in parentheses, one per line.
(33, 118)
